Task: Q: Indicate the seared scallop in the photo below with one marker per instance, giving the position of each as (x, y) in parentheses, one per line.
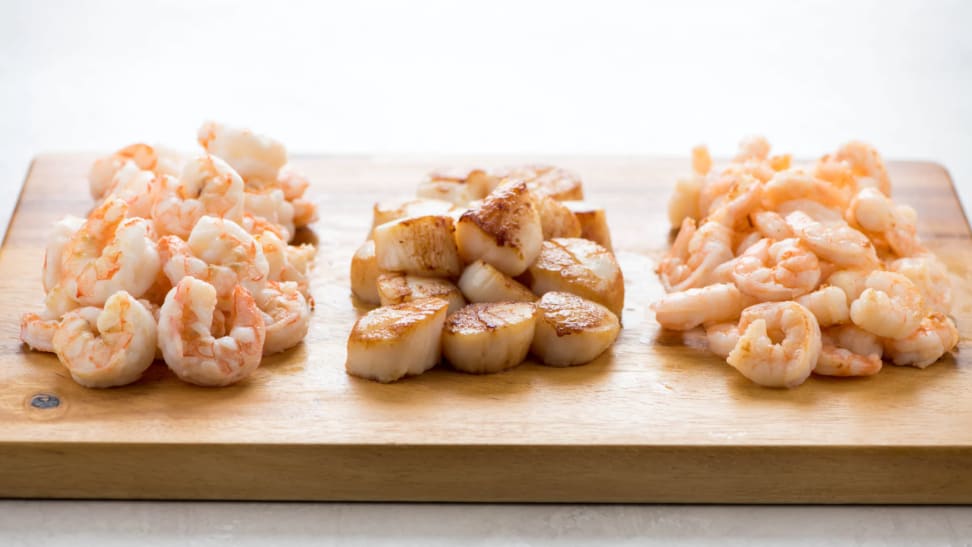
(458, 186)
(396, 288)
(391, 342)
(579, 266)
(593, 222)
(504, 230)
(422, 246)
(387, 211)
(556, 220)
(560, 184)
(364, 273)
(481, 282)
(489, 337)
(572, 330)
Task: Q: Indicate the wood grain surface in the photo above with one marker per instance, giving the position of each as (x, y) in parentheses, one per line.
(657, 419)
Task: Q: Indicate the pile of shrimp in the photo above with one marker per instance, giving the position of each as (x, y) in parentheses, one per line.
(796, 271)
(185, 257)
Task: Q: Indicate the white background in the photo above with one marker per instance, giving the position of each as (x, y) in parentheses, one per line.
(490, 77)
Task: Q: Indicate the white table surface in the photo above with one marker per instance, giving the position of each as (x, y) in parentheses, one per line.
(498, 77)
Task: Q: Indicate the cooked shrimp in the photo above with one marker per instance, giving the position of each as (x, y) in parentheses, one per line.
(292, 182)
(852, 282)
(721, 338)
(191, 350)
(930, 276)
(777, 271)
(38, 332)
(828, 304)
(893, 226)
(753, 147)
(286, 262)
(219, 252)
(741, 199)
(771, 224)
(109, 253)
(271, 206)
(57, 241)
(138, 188)
(695, 255)
(746, 242)
(835, 242)
(779, 344)
(690, 308)
(865, 163)
(257, 158)
(701, 160)
(797, 184)
(935, 336)
(156, 159)
(890, 305)
(207, 186)
(848, 351)
(110, 346)
(713, 190)
(286, 315)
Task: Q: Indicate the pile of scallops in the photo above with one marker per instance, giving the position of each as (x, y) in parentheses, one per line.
(798, 271)
(185, 258)
(483, 268)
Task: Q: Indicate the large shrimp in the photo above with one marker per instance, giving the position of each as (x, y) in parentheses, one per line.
(207, 186)
(741, 199)
(890, 305)
(294, 184)
(834, 242)
(191, 350)
(271, 206)
(796, 184)
(286, 262)
(866, 165)
(257, 158)
(892, 226)
(935, 336)
(721, 338)
(690, 308)
(57, 241)
(219, 252)
(694, 255)
(848, 351)
(776, 270)
(110, 346)
(778, 346)
(156, 159)
(107, 254)
(828, 304)
(286, 314)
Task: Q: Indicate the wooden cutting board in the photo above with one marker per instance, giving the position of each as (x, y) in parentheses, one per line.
(655, 420)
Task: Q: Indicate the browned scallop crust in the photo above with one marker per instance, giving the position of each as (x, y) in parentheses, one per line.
(430, 243)
(569, 314)
(487, 316)
(502, 213)
(391, 322)
(394, 288)
(546, 180)
(559, 259)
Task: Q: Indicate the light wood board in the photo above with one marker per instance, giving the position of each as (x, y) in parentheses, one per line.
(656, 419)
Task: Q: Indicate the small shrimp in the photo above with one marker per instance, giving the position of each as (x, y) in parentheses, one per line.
(779, 344)
(190, 349)
(57, 241)
(848, 351)
(690, 308)
(741, 199)
(928, 273)
(292, 182)
(286, 262)
(828, 304)
(892, 226)
(207, 186)
(701, 160)
(721, 338)
(852, 282)
(257, 158)
(770, 224)
(286, 315)
(106, 347)
(834, 242)
(890, 305)
(694, 256)
(753, 147)
(273, 208)
(865, 163)
(935, 336)
(797, 184)
(139, 188)
(712, 191)
(305, 212)
(109, 253)
(776, 271)
(156, 159)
